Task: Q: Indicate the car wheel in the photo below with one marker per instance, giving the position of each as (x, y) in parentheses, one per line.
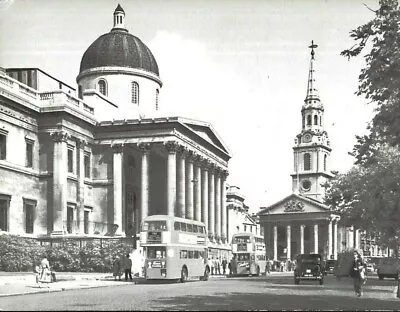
(184, 275)
(380, 277)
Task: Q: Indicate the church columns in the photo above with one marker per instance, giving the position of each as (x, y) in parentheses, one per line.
(172, 148)
(335, 237)
(117, 179)
(329, 253)
(275, 243)
(204, 197)
(288, 241)
(315, 238)
(81, 186)
(59, 180)
(218, 206)
(302, 238)
(211, 202)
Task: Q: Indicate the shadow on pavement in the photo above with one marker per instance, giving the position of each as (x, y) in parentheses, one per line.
(246, 301)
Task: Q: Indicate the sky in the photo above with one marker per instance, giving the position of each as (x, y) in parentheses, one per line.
(241, 65)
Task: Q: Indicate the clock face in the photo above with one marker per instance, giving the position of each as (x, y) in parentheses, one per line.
(307, 138)
(306, 185)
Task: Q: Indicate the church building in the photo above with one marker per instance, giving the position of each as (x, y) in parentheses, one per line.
(94, 161)
(301, 222)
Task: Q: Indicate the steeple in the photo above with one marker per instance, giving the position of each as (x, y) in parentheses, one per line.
(119, 19)
(312, 96)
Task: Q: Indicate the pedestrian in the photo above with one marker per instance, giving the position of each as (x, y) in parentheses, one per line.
(233, 264)
(116, 268)
(229, 267)
(212, 265)
(268, 267)
(224, 262)
(219, 265)
(358, 272)
(44, 275)
(128, 267)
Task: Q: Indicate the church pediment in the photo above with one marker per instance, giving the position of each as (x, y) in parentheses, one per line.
(294, 204)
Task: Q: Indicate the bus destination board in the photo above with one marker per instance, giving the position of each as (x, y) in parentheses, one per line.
(154, 237)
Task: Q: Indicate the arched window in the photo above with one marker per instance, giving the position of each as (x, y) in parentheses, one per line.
(309, 120)
(135, 93)
(316, 120)
(157, 95)
(325, 160)
(307, 161)
(102, 87)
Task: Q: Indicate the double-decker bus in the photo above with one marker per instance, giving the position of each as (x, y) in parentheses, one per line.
(174, 248)
(249, 250)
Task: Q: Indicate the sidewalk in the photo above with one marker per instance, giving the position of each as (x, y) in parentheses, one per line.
(22, 283)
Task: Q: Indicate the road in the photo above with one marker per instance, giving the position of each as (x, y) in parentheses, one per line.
(274, 292)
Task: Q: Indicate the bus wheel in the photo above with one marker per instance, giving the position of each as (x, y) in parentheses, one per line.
(206, 274)
(184, 275)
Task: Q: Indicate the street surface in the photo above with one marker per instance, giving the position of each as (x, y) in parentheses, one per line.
(274, 292)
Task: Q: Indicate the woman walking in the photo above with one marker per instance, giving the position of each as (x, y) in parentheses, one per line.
(358, 273)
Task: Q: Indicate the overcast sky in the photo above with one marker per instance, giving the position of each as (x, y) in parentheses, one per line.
(241, 65)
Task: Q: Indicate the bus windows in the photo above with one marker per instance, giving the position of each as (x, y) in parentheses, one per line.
(183, 254)
(196, 254)
(244, 257)
(195, 228)
(154, 226)
(177, 226)
(189, 227)
(201, 229)
(190, 254)
(156, 252)
(183, 227)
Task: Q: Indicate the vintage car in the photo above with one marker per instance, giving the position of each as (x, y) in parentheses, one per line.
(330, 266)
(388, 267)
(309, 267)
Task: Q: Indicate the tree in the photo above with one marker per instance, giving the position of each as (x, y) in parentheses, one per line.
(368, 196)
(379, 81)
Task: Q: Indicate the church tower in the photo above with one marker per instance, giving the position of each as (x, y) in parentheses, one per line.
(312, 147)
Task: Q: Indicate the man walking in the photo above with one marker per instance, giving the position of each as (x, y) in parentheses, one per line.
(128, 267)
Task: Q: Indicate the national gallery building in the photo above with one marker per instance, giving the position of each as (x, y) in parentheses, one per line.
(95, 161)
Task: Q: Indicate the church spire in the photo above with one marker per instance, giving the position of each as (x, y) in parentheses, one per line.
(119, 19)
(312, 92)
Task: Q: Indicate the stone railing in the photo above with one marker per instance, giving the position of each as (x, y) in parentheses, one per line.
(41, 99)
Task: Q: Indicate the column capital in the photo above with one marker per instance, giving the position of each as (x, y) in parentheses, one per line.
(302, 226)
(144, 147)
(198, 159)
(117, 147)
(190, 156)
(81, 143)
(172, 146)
(60, 136)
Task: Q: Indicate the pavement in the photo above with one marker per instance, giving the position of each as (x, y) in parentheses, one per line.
(24, 283)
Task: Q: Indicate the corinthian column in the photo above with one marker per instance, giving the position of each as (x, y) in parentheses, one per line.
(197, 189)
(117, 178)
(172, 148)
(288, 241)
(302, 238)
(81, 186)
(181, 191)
(211, 202)
(218, 205)
(204, 196)
(275, 243)
(144, 187)
(189, 186)
(329, 238)
(316, 238)
(223, 207)
(59, 180)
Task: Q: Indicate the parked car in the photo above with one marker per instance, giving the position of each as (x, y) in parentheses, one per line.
(330, 266)
(309, 267)
(388, 267)
(370, 267)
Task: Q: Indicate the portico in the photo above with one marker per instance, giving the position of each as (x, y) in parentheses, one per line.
(297, 225)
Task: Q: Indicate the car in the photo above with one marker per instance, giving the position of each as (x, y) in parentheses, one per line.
(370, 267)
(309, 267)
(388, 267)
(330, 266)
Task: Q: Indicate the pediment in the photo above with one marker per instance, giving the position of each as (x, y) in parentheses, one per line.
(295, 204)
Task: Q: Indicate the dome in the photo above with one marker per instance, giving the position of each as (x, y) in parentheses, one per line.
(119, 48)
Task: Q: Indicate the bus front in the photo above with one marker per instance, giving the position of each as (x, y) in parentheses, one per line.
(154, 237)
(243, 248)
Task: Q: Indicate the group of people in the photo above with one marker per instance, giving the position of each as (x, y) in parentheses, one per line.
(121, 266)
(44, 274)
(216, 264)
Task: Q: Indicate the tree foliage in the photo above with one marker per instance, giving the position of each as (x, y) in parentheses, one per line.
(368, 196)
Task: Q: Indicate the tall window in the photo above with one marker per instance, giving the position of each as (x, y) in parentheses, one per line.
(4, 203)
(157, 95)
(29, 153)
(3, 146)
(86, 160)
(309, 120)
(316, 120)
(307, 161)
(29, 209)
(102, 87)
(86, 221)
(135, 93)
(70, 219)
(70, 160)
(325, 159)
(320, 120)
